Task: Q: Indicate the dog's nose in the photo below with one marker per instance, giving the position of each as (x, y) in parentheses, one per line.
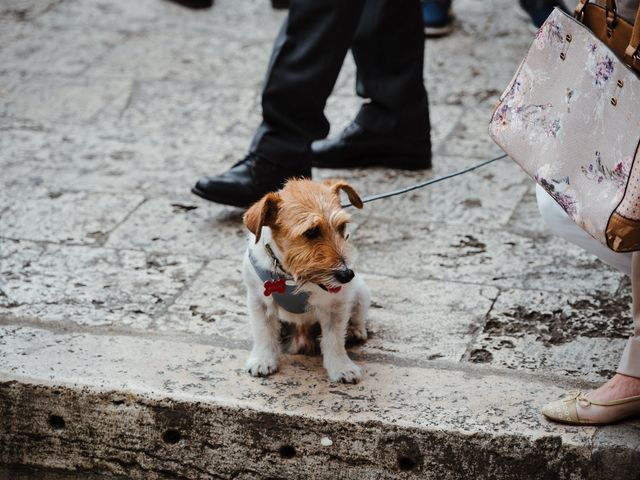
(345, 276)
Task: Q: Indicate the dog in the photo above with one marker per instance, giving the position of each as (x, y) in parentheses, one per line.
(298, 270)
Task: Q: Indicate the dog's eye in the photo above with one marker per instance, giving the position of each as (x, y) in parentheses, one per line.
(342, 228)
(312, 233)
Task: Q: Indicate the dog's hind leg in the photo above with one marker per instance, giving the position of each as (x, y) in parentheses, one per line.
(303, 340)
(265, 325)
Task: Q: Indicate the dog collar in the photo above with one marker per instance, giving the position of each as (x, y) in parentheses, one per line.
(275, 284)
(277, 265)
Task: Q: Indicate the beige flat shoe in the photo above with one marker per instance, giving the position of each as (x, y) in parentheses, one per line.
(577, 409)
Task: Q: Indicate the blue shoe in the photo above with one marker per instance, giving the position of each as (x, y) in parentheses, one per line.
(437, 17)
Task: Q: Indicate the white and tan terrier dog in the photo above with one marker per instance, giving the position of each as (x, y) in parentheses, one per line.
(298, 270)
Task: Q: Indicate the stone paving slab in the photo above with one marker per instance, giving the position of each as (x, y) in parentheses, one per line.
(574, 335)
(526, 218)
(469, 137)
(173, 108)
(25, 9)
(67, 51)
(485, 197)
(425, 319)
(88, 286)
(215, 304)
(167, 225)
(51, 216)
(189, 56)
(478, 255)
(250, 19)
(461, 74)
(94, 159)
(66, 99)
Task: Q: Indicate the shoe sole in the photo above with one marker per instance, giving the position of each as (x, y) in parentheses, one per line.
(433, 32)
(194, 4)
(587, 424)
(222, 201)
(398, 163)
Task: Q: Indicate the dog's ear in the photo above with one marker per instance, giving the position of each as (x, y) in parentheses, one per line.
(263, 213)
(338, 185)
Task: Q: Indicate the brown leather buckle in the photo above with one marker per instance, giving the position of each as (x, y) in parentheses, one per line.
(612, 20)
(633, 53)
(578, 13)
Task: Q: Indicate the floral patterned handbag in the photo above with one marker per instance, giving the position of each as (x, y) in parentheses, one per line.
(571, 119)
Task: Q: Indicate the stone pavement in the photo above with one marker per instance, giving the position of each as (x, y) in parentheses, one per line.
(123, 329)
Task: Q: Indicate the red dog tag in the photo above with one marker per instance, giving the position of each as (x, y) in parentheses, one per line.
(274, 286)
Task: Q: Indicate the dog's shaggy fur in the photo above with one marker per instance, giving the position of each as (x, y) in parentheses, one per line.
(306, 228)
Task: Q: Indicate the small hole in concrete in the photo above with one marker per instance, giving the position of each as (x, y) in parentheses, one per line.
(406, 463)
(287, 451)
(480, 356)
(171, 436)
(56, 422)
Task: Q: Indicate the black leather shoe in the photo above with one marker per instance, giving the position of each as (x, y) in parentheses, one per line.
(194, 4)
(280, 4)
(246, 182)
(356, 147)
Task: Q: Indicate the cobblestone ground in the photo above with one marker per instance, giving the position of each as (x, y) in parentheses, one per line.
(114, 278)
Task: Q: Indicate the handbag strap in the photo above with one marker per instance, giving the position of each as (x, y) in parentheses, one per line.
(612, 11)
(632, 53)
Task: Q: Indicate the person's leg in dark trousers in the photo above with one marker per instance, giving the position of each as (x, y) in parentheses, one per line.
(390, 62)
(392, 129)
(305, 62)
(304, 67)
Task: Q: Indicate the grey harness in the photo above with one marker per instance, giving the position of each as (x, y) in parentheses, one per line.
(291, 301)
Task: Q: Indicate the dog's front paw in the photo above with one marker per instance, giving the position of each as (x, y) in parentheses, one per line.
(347, 372)
(262, 366)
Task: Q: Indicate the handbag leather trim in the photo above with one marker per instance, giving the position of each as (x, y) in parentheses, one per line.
(614, 31)
(623, 234)
(595, 19)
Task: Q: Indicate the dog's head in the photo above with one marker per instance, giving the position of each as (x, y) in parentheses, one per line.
(308, 226)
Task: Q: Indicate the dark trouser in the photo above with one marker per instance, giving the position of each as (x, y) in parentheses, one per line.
(387, 43)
